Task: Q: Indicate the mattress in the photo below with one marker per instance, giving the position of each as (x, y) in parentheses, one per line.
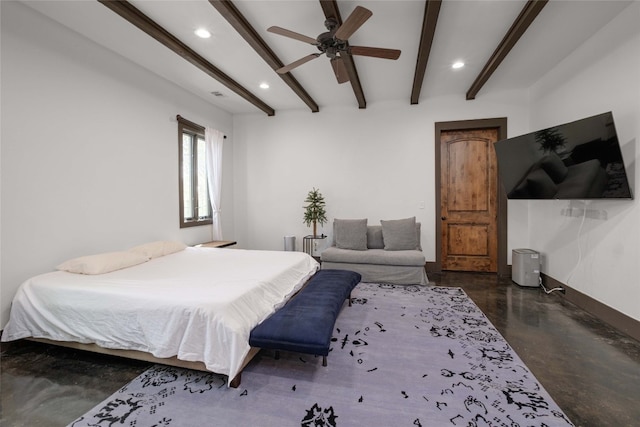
(199, 304)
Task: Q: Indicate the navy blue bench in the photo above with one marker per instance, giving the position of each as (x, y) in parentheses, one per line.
(305, 323)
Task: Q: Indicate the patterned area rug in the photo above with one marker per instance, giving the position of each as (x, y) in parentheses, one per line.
(401, 356)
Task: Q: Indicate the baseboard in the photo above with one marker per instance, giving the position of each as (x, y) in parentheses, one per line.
(508, 274)
(432, 267)
(620, 321)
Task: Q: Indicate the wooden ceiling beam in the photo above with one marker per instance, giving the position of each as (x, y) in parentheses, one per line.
(229, 12)
(431, 12)
(518, 28)
(330, 10)
(127, 11)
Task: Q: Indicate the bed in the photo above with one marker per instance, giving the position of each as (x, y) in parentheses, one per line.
(195, 306)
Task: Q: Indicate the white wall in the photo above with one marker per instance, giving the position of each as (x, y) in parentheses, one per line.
(90, 139)
(600, 258)
(89, 150)
(376, 163)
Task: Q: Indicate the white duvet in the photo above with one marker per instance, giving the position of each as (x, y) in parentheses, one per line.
(199, 304)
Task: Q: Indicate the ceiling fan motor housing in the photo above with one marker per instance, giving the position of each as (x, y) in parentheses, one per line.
(327, 43)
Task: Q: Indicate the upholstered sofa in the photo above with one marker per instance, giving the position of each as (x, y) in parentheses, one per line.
(385, 253)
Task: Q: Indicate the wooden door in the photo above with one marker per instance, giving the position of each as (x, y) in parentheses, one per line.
(469, 200)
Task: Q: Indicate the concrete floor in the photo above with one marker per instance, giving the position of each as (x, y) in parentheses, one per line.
(591, 370)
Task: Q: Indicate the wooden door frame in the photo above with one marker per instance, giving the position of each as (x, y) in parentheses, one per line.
(501, 124)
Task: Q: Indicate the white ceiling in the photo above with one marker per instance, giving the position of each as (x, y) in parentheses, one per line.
(466, 30)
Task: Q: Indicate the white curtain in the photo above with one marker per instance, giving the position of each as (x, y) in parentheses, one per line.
(214, 140)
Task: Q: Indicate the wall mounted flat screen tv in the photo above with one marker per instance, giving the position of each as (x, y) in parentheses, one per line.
(576, 160)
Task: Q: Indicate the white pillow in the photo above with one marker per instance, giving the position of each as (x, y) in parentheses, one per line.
(102, 263)
(159, 248)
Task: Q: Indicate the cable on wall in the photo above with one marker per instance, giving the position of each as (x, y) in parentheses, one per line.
(584, 216)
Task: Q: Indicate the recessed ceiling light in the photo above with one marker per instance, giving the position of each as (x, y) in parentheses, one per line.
(202, 33)
(457, 64)
(264, 85)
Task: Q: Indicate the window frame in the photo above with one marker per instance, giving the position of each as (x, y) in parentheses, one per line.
(195, 131)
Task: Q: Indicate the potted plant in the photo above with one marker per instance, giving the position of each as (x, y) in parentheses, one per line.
(314, 210)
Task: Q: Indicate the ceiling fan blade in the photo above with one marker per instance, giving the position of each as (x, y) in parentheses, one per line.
(292, 34)
(339, 69)
(358, 17)
(376, 52)
(297, 63)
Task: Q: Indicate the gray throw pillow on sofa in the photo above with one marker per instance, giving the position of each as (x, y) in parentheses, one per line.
(374, 237)
(400, 234)
(350, 233)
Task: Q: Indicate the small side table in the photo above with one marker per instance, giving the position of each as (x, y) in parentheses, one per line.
(309, 245)
(217, 244)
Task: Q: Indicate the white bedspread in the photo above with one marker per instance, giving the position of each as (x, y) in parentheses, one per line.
(199, 304)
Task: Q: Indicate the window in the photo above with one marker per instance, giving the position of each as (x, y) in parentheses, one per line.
(195, 207)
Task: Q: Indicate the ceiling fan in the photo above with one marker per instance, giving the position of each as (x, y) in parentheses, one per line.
(334, 43)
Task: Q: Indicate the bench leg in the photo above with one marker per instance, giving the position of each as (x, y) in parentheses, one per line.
(277, 357)
(324, 360)
(235, 382)
(349, 299)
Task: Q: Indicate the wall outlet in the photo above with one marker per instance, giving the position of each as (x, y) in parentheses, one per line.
(597, 214)
(588, 213)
